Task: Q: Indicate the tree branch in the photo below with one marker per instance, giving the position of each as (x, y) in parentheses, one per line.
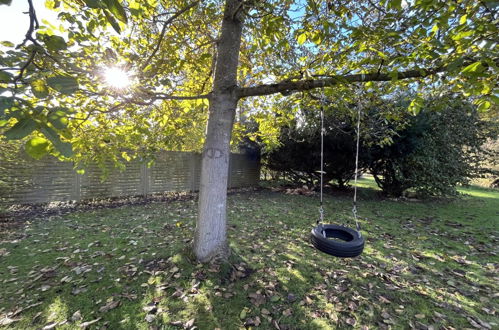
(288, 87)
(163, 31)
(159, 96)
(24, 67)
(33, 24)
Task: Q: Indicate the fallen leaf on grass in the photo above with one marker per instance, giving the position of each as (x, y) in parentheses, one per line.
(488, 311)
(244, 312)
(420, 316)
(151, 308)
(387, 318)
(7, 320)
(257, 298)
(79, 290)
(112, 304)
(50, 325)
(84, 325)
(76, 316)
(150, 318)
(350, 321)
(479, 324)
(253, 322)
(275, 298)
(287, 312)
(66, 279)
(189, 324)
(129, 296)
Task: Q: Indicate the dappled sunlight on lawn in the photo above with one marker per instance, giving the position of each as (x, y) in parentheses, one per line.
(480, 192)
(427, 263)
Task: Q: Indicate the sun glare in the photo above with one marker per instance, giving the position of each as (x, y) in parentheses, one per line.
(116, 78)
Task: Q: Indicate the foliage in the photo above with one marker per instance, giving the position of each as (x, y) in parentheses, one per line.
(60, 92)
(298, 155)
(299, 158)
(126, 267)
(441, 147)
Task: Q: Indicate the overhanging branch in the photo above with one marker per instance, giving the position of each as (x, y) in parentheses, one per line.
(163, 31)
(159, 96)
(288, 87)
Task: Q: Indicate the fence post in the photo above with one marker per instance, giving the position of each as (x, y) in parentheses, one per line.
(144, 179)
(76, 186)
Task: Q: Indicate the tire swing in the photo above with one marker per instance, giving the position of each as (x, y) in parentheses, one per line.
(336, 240)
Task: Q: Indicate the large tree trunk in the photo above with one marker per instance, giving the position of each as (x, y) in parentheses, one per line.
(210, 241)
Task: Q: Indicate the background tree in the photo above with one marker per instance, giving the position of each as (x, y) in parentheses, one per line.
(441, 147)
(205, 56)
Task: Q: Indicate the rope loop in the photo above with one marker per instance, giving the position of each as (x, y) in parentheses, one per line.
(321, 215)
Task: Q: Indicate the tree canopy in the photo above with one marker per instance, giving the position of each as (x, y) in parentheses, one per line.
(191, 62)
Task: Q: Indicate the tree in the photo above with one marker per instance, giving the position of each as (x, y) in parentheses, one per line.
(261, 49)
(439, 148)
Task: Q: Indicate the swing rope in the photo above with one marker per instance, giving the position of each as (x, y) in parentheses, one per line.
(354, 204)
(321, 208)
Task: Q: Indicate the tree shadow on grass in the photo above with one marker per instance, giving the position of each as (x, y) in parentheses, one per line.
(413, 267)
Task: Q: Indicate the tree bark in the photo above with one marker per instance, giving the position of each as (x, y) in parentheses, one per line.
(210, 240)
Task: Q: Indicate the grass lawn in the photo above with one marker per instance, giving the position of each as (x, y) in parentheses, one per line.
(428, 265)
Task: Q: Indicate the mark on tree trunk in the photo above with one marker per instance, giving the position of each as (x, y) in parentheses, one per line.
(214, 153)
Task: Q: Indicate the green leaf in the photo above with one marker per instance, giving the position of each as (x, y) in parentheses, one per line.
(63, 147)
(116, 9)
(462, 35)
(474, 67)
(484, 106)
(58, 119)
(395, 4)
(5, 103)
(37, 147)
(55, 43)
(63, 84)
(52, 4)
(7, 43)
(463, 19)
(434, 29)
(94, 3)
(302, 38)
(416, 104)
(112, 21)
(21, 129)
(39, 89)
(5, 2)
(5, 77)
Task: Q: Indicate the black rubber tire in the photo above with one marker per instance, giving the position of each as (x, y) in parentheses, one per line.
(350, 246)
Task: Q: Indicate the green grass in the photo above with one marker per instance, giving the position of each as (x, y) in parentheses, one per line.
(431, 263)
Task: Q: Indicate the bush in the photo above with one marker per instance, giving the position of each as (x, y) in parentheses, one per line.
(431, 152)
(298, 157)
(440, 148)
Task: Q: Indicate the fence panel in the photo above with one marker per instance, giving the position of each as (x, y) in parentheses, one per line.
(27, 181)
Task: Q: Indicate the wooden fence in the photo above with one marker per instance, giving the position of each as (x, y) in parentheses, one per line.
(26, 181)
